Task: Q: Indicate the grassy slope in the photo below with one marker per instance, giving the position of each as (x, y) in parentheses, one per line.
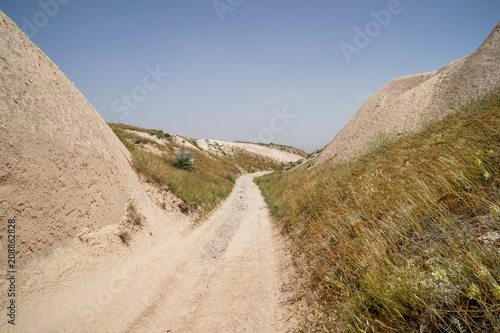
(395, 241)
(201, 189)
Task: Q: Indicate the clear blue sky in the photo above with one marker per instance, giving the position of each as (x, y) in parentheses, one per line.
(227, 76)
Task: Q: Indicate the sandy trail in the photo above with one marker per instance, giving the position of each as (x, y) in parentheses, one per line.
(224, 276)
(229, 281)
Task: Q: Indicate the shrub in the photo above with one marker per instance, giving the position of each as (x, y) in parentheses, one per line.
(125, 236)
(231, 178)
(133, 217)
(184, 160)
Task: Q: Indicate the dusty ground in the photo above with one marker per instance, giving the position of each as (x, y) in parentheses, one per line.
(224, 276)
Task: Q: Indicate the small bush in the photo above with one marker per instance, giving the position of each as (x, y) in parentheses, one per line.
(133, 217)
(184, 160)
(231, 178)
(125, 236)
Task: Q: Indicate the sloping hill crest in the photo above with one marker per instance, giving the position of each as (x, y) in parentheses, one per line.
(406, 103)
(62, 168)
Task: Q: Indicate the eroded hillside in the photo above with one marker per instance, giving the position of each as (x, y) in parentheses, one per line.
(63, 170)
(407, 103)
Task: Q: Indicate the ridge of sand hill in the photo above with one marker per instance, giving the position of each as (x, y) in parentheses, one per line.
(221, 148)
(62, 168)
(224, 147)
(404, 104)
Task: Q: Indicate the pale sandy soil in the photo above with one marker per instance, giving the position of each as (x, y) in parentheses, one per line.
(62, 169)
(218, 147)
(224, 276)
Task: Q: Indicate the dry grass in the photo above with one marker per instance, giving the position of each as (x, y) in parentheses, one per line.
(133, 221)
(202, 188)
(404, 239)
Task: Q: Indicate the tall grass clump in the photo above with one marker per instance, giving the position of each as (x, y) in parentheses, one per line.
(405, 238)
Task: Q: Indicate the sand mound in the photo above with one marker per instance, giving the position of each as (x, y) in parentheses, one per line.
(223, 148)
(404, 104)
(62, 169)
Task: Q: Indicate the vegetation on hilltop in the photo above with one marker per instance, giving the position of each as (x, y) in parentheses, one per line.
(202, 184)
(405, 238)
(158, 133)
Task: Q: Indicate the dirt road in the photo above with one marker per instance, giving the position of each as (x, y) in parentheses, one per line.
(224, 276)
